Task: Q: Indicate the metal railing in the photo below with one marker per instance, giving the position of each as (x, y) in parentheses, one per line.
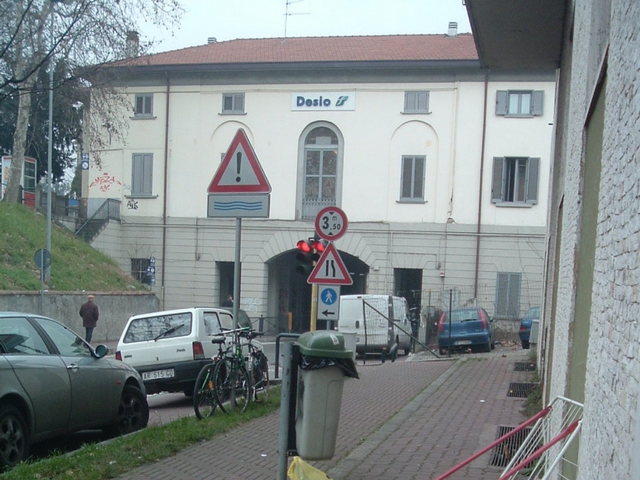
(109, 210)
(555, 427)
(312, 206)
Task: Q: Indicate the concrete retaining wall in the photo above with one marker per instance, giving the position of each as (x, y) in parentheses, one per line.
(115, 309)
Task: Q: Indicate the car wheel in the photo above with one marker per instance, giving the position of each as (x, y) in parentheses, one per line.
(133, 412)
(14, 437)
(525, 344)
(487, 347)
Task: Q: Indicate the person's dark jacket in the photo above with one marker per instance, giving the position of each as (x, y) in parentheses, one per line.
(89, 313)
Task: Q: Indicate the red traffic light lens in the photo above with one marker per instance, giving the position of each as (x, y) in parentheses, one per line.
(303, 246)
(318, 246)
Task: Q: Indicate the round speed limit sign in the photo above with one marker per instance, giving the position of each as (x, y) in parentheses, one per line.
(331, 223)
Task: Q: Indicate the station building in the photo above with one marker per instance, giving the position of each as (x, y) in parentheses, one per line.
(441, 166)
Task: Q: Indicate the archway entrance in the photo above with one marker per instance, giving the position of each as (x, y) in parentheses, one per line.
(290, 294)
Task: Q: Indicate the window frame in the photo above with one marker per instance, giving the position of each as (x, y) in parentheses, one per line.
(147, 104)
(143, 186)
(536, 104)
(506, 178)
(236, 97)
(139, 269)
(413, 198)
(307, 209)
(412, 105)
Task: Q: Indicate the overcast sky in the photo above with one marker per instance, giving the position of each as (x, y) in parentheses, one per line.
(231, 19)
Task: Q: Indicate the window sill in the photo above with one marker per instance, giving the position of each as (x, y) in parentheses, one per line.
(140, 196)
(418, 201)
(232, 113)
(514, 204)
(415, 113)
(518, 116)
(143, 117)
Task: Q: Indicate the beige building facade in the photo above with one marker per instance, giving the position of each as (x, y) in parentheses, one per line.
(442, 168)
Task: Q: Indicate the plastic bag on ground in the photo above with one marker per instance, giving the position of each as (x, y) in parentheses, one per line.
(300, 470)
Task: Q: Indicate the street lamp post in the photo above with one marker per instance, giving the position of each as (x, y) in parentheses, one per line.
(50, 149)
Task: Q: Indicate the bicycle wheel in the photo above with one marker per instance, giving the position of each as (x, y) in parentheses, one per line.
(261, 375)
(232, 396)
(204, 399)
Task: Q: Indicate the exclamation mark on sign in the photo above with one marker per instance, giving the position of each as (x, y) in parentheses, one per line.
(238, 162)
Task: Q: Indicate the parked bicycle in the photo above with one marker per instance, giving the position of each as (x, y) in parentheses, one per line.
(204, 399)
(237, 378)
(232, 379)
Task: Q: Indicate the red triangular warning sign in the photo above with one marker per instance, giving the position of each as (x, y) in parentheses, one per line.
(330, 269)
(240, 171)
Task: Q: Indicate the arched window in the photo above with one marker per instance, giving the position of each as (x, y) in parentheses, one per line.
(321, 169)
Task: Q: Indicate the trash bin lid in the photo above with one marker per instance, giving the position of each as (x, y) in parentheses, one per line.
(323, 343)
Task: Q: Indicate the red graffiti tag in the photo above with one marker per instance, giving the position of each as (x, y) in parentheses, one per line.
(104, 182)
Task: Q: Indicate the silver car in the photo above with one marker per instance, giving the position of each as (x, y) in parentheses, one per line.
(52, 383)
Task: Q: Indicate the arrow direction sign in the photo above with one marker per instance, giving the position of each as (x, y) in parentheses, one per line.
(328, 302)
(330, 269)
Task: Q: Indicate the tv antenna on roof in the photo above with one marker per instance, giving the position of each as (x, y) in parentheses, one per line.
(287, 14)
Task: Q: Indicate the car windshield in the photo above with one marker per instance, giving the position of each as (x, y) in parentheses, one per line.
(533, 312)
(463, 316)
(243, 320)
(158, 327)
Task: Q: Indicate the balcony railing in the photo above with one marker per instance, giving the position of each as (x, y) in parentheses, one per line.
(312, 206)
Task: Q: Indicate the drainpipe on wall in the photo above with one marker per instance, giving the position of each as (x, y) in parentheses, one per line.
(164, 202)
(479, 228)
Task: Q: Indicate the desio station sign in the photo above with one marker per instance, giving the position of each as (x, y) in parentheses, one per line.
(309, 101)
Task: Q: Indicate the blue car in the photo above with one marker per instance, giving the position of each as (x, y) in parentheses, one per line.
(471, 329)
(525, 325)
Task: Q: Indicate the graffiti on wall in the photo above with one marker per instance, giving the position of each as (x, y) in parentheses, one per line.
(104, 182)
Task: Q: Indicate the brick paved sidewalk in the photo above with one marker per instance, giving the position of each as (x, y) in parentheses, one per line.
(403, 420)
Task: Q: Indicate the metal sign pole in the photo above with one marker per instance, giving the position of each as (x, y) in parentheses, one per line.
(236, 302)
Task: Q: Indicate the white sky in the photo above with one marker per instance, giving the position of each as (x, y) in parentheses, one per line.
(231, 19)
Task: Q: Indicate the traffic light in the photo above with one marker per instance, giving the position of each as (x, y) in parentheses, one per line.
(309, 252)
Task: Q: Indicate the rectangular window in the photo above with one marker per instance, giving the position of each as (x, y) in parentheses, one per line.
(29, 176)
(412, 188)
(519, 103)
(144, 105)
(508, 295)
(416, 102)
(139, 268)
(142, 174)
(233, 103)
(515, 180)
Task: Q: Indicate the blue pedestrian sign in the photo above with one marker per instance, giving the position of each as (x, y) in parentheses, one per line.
(328, 302)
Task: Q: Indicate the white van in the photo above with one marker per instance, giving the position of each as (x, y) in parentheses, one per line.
(169, 348)
(367, 316)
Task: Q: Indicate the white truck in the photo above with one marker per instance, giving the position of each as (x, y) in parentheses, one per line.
(378, 321)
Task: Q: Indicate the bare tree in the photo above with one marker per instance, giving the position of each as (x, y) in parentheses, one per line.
(86, 34)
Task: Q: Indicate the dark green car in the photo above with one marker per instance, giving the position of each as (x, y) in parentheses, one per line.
(52, 383)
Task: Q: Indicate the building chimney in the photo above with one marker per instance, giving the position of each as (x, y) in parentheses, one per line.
(453, 29)
(133, 44)
(212, 40)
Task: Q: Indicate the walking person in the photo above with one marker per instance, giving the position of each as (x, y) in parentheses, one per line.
(89, 313)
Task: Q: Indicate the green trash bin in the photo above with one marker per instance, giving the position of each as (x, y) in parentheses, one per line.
(323, 365)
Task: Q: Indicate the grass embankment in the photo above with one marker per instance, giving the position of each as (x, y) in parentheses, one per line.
(123, 454)
(75, 265)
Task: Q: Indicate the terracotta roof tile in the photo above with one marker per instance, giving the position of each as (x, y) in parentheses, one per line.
(321, 49)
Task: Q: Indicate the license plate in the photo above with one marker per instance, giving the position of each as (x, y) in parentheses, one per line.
(156, 374)
(462, 342)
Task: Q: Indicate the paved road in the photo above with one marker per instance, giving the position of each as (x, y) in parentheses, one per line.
(404, 420)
